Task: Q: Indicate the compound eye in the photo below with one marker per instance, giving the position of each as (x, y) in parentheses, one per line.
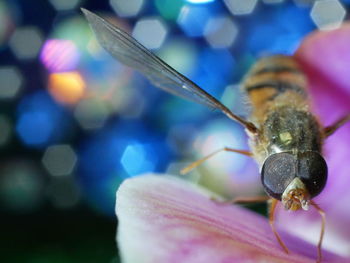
(278, 171)
(312, 170)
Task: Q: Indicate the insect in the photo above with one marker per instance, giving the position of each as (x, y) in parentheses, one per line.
(285, 137)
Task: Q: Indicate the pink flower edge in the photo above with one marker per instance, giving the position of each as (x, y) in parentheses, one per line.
(166, 219)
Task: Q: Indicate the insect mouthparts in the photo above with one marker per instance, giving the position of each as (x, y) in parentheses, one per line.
(296, 196)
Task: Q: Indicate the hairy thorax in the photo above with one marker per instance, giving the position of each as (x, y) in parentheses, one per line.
(287, 129)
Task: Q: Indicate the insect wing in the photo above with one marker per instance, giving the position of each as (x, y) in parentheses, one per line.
(127, 50)
(130, 52)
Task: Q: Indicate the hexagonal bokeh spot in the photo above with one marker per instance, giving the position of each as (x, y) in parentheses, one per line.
(135, 160)
(64, 5)
(151, 32)
(59, 55)
(25, 42)
(59, 159)
(132, 158)
(10, 82)
(91, 113)
(220, 32)
(67, 87)
(241, 7)
(328, 14)
(126, 8)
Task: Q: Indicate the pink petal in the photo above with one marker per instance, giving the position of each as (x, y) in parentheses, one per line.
(325, 56)
(167, 220)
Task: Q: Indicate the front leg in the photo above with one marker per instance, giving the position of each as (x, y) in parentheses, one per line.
(272, 209)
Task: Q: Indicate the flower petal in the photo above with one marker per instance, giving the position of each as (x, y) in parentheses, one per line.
(325, 57)
(165, 219)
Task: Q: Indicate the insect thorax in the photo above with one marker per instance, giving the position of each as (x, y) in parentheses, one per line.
(288, 129)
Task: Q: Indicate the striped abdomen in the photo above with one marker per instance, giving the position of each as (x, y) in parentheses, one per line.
(277, 90)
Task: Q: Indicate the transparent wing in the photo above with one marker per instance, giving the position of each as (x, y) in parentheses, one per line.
(130, 52)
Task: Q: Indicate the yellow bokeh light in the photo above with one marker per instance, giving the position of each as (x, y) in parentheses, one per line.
(66, 87)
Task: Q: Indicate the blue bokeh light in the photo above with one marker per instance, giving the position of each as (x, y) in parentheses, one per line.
(120, 150)
(275, 34)
(28, 124)
(193, 19)
(215, 70)
(136, 159)
(41, 121)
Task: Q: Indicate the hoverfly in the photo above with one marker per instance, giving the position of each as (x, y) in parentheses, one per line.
(285, 137)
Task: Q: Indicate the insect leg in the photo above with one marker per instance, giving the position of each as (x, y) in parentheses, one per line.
(329, 130)
(200, 161)
(272, 208)
(242, 200)
(323, 216)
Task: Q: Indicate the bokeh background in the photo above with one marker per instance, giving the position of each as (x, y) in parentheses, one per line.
(74, 123)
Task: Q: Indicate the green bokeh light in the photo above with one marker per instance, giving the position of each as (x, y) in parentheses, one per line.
(169, 9)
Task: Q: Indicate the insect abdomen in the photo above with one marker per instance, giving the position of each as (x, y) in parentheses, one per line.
(272, 82)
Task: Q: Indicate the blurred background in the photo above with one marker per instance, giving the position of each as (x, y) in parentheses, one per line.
(74, 123)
